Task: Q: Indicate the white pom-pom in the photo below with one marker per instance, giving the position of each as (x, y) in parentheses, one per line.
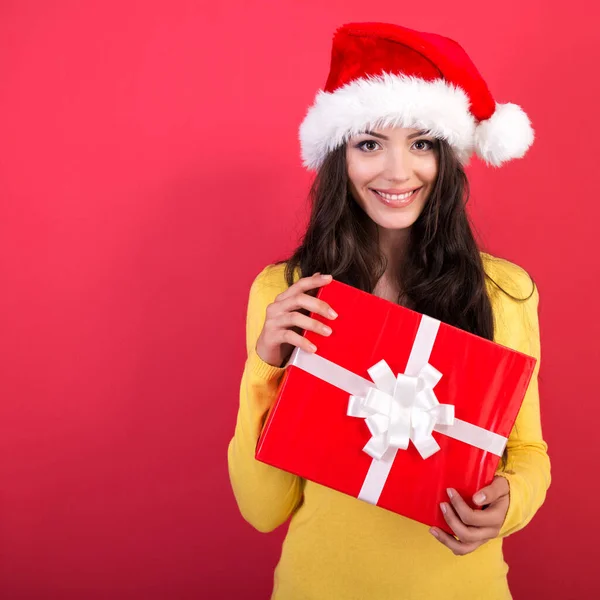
(507, 134)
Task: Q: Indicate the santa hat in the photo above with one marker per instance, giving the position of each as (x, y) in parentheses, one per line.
(387, 75)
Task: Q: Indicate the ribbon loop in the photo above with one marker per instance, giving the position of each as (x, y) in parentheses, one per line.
(401, 408)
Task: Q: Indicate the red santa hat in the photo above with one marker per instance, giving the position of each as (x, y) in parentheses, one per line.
(386, 75)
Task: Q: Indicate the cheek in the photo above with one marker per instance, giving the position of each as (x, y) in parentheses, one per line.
(360, 172)
(428, 171)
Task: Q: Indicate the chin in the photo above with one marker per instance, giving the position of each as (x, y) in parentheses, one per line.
(394, 221)
(398, 224)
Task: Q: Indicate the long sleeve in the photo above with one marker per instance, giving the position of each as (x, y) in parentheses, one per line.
(266, 496)
(527, 466)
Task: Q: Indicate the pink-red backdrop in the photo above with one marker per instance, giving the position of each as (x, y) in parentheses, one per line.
(149, 169)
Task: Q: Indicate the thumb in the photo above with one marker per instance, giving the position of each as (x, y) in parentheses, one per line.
(491, 493)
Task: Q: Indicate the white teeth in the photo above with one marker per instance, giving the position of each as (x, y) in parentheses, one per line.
(395, 196)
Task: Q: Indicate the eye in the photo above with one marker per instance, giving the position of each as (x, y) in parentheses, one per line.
(361, 145)
(430, 146)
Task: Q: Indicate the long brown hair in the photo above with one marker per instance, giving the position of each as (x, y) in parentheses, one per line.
(442, 273)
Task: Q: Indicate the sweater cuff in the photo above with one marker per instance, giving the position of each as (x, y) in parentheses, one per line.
(512, 518)
(261, 369)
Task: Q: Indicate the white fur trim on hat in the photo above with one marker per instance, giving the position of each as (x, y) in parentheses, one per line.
(507, 134)
(437, 106)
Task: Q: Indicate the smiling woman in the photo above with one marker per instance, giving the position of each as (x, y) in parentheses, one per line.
(420, 253)
(388, 137)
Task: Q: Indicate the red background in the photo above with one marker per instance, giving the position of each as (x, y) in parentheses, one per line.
(149, 169)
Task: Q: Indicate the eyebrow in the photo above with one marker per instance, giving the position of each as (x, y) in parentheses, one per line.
(383, 137)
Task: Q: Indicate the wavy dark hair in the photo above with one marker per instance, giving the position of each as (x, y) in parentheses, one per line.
(442, 273)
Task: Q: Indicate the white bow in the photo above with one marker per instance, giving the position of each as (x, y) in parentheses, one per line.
(401, 408)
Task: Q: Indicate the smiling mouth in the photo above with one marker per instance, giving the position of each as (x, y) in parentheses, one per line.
(396, 197)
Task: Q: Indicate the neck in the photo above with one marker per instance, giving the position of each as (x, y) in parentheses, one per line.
(393, 243)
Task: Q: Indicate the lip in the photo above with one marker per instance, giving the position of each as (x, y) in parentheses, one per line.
(397, 203)
(396, 190)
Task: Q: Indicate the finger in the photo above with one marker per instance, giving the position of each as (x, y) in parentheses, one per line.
(287, 336)
(466, 514)
(498, 488)
(463, 532)
(294, 318)
(304, 301)
(459, 548)
(491, 517)
(305, 284)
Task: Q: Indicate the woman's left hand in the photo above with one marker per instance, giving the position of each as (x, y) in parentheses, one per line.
(474, 527)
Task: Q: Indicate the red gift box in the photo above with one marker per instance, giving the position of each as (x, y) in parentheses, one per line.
(344, 415)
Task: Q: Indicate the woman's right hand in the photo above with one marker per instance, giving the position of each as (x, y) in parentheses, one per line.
(288, 315)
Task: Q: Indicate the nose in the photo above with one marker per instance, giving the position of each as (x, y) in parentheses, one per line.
(398, 166)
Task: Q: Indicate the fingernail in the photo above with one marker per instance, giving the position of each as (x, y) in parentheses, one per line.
(450, 493)
(333, 314)
(325, 276)
(434, 533)
(479, 498)
(443, 507)
(313, 347)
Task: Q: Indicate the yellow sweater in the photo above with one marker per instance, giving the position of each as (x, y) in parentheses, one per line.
(341, 548)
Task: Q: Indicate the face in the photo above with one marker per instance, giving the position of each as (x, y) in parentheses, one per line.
(392, 161)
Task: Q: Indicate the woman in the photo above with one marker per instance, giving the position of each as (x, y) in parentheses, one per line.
(399, 116)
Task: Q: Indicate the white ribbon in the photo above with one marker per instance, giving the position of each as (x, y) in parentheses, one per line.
(419, 415)
(400, 409)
